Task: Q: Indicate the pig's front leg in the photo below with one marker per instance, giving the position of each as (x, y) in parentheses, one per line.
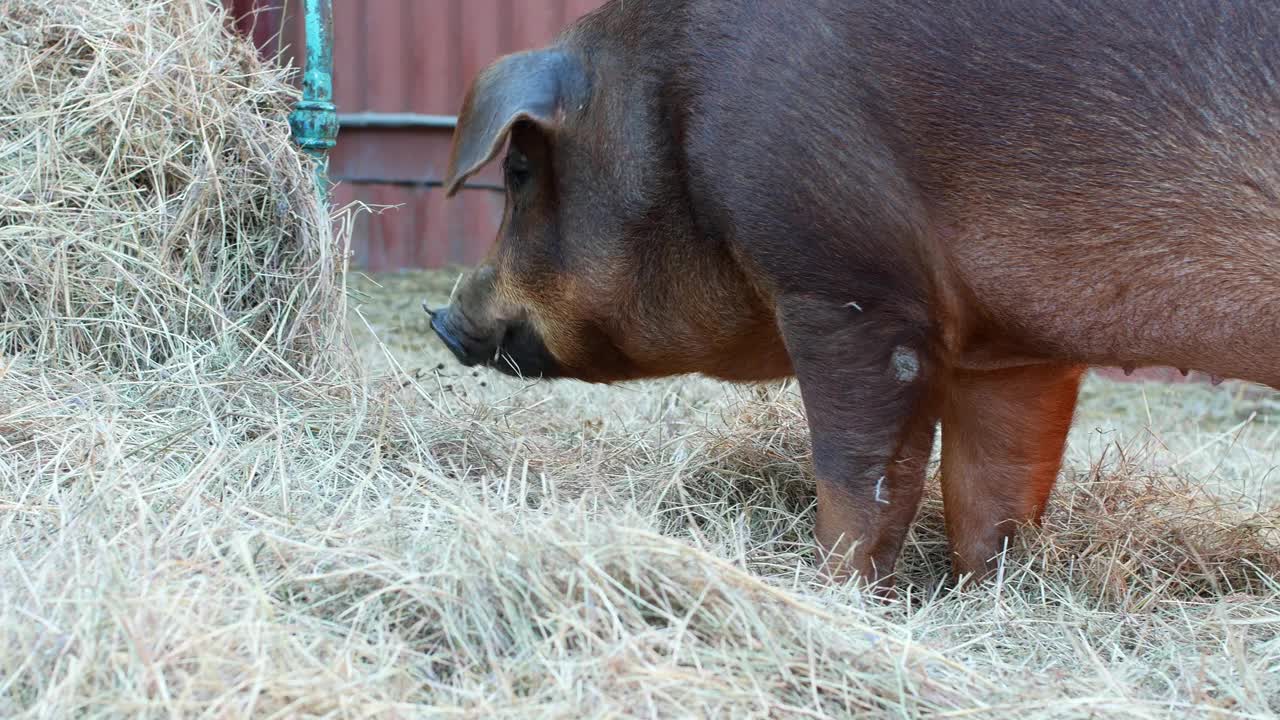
(865, 378)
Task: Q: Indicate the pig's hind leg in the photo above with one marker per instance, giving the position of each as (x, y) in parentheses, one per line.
(1003, 436)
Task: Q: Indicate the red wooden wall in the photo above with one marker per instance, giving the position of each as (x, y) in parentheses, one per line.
(410, 56)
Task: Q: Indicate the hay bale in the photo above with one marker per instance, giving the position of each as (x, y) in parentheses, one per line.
(152, 205)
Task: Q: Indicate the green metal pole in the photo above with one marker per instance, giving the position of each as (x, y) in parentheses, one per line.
(314, 120)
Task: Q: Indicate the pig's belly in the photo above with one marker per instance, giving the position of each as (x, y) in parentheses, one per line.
(1204, 303)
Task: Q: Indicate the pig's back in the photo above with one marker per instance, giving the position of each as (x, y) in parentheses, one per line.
(1107, 179)
(1098, 176)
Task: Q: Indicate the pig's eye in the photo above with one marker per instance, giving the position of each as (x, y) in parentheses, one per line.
(516, 167)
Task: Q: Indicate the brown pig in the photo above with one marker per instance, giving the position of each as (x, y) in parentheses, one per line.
(927, 212)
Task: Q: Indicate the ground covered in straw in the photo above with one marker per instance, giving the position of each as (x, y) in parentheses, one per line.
(211, 507)
(424, 541)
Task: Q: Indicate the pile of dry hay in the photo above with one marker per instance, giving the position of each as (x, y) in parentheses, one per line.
(152, 208)
(198, 518)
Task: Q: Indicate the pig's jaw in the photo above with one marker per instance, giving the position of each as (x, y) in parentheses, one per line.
(522, 353)
(515, 349)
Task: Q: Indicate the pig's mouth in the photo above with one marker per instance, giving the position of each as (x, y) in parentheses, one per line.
(513, 349)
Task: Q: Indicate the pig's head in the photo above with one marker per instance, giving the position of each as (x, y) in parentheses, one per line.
(599, 271)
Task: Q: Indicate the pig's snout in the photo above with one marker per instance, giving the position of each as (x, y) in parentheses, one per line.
(448, 335)
(513, 348)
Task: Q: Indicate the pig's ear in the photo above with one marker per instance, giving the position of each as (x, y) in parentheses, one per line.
(537, 86)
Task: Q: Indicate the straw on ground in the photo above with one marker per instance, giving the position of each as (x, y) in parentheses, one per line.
(210, 507)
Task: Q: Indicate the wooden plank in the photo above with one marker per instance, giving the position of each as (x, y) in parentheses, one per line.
(429, 82)
(399, 155)
(480, 30)
(386, 55)
(575, 9)
(349, 67)
(535, 24)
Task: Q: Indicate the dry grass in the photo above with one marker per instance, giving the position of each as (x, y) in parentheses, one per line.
(240, 546)
(151, 208)
(198, 517)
